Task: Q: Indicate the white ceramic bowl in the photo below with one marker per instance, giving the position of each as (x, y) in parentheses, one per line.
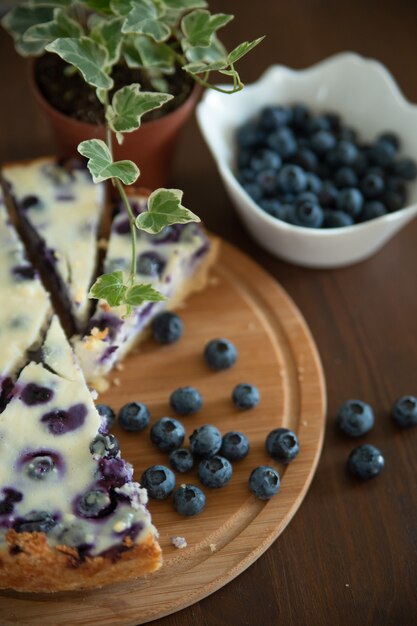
(369, 100)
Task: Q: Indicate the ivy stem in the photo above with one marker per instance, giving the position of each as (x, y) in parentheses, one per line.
(126, 202)
(204, 83)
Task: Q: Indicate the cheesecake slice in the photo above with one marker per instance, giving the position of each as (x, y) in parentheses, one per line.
(175, 262)
(25, 307)
(60, 210)
(71, 516)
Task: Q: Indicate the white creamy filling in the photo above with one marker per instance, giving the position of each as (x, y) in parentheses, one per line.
(67, 219)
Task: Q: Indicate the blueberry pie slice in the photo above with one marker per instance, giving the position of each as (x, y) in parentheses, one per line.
(70, 515)
(60, 209)
(175, 262)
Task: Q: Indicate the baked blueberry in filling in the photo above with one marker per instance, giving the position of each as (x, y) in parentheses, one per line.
(11, 496)
(24, 272)
(36, 521)
(35, 394)
(105, 446)
(95, 503)
(60, 422)
(150, 264)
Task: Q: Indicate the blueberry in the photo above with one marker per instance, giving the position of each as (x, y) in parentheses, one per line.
(292, 179)
(265, 160)
(33, 394)
(181, 460)
(355, 418)
(346, 152)
(215, 472)
(30, 202)
(105, 446)
(314, 183)
(382, 153)
(159, 481)
(282, 444)
(186, 400)
(189, 500)
(404, 411)
(300, 116)
(264, 482)
(372, 185)
(391, 138)
(11, 496)
(23, 272)
(220, 354)
(36, 521)
(205, 441)
(372, 209)
(365, 462)
(95, 503)
(283, 142)
(168, 434)
(328, 194)
(307, 214)
(166, 328)
(245, 396)
(347, 134)
(317, 124)
(235, 446)
(150, 264)
(306, 159)
(249, 135)
(107, 414)
(272, 117)
(350, 200)
(253, 190)
(274, 208)
(345, 177)
(323, 141)
(40, 467)
(393, 200)
(134, 416)
(360, 164)
(336, 219)
(243, 159)
(75, 535)
(405, 169)
(246, 175)
(307, 196)
(60, 422)
(267, 181)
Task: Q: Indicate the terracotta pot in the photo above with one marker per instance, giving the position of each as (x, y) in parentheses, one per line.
(151, 147)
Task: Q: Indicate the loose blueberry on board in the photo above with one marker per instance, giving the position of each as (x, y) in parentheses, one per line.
(107, 413)
(355, 418)
(404, 411)
(186, 400)
(235, 446)
(205, 441)
(94, 503)
(220, 354)
(189, 500)
(36, 521)
(159, 481)
(215, 472)
(264, 482)
(365, 462)
(134, 416)
(168, 434)
(245, 396)
(167, 328)
(105, 446)
(282, 444)
(181, 460)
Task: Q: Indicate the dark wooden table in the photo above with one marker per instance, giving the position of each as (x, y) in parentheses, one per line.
(349, 555)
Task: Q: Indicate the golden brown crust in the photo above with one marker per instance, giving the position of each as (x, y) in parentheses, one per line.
(28, 563)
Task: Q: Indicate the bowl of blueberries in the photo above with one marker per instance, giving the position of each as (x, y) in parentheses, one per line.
(320, 163)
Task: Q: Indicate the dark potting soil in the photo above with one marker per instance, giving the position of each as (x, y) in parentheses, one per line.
(68, 93)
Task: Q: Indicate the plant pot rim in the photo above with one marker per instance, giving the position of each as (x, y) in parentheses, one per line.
(45, 104)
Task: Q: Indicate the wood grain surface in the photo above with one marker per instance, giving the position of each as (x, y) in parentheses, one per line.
(277, 354)
(349, 556)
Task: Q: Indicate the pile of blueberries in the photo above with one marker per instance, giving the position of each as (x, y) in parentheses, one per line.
(355, 418)
(313, 171)
(208, 449)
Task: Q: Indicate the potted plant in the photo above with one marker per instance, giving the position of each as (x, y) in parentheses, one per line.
(165, 46)
(96, 37)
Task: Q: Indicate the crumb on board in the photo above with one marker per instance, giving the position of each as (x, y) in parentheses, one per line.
(213, 281)
(213, 547)
(116, 382)
(304, 423)
(179, 542)
(347, 585)
(119, 367)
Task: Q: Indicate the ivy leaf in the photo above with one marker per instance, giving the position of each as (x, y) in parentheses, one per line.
(108, 33)
(184, 5)
(242, 49)
(50, 3)
(143, 20)
(87, 56)
(155, 55)
(19, 20)
(109, 287)
(128, 106)
(164, 209)
(101, 6)
(206, 55)
(138, 294)
(60, 26)
(121, 7)
(200, 26)
(101, 165)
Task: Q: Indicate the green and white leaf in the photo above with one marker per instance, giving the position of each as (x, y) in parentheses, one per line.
(60, 26)
(50, 3)
(242, 49)
(143, 20)
(87, 56)
(155, 56)
(131, 52)
(138, 294)
(108, 33)
(184, 5)
(101, 165)
(19, 20)
(214, 53)
(101, 6)
(121, 7)
(109, 287)
(128, 106)
(164, 209)
(199, 26)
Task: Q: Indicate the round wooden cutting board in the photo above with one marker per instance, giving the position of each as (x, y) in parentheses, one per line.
(278, 355)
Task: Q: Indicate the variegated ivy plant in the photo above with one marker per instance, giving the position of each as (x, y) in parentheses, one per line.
(93, 36)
